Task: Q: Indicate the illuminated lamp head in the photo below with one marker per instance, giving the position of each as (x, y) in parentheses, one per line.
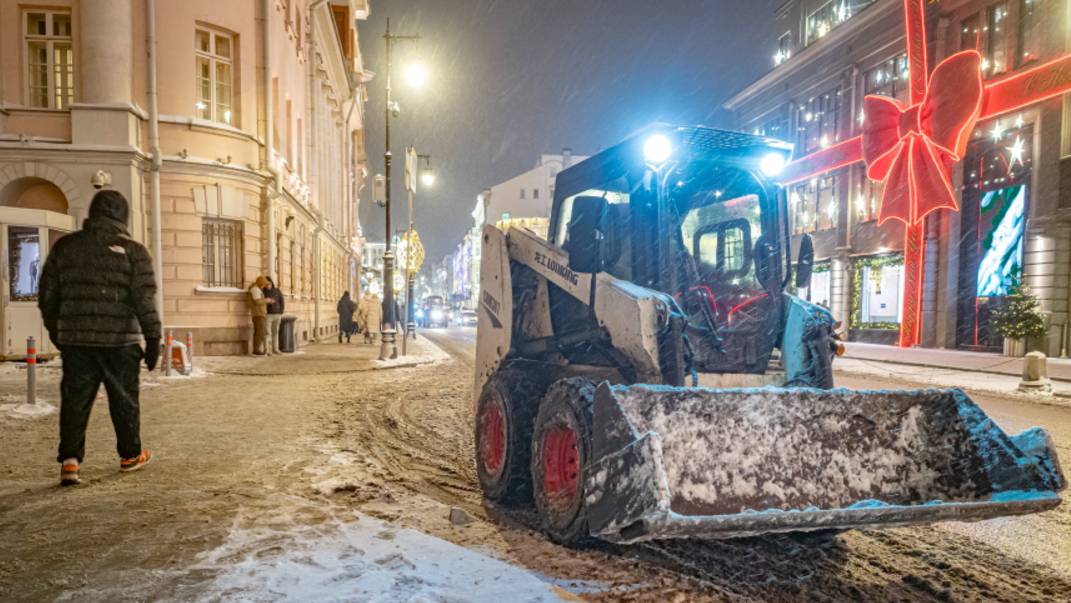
(657, 149)
(772, 164)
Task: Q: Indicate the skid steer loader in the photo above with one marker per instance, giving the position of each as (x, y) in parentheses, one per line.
(643, 372)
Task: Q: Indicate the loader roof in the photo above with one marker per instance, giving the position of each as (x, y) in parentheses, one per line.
(690, 143)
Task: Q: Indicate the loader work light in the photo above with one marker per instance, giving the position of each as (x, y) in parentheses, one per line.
(772, 164)
(657, 149)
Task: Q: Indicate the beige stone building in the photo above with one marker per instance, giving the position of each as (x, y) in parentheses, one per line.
(244, 129)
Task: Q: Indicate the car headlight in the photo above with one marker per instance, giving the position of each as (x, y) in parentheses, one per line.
(436, 314)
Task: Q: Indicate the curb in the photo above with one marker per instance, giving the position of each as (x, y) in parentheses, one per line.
(950, 368)
(1056, 399)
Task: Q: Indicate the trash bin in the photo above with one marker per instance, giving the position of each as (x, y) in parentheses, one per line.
(287, 339)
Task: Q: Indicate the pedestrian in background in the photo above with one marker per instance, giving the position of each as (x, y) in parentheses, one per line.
(258, 309)
(371, 316)
(346, 307)
(275, 315)
(97, 302)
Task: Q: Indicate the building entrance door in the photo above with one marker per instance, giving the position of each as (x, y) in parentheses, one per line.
(26, 236)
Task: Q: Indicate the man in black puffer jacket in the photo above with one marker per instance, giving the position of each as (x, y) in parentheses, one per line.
(96, 298)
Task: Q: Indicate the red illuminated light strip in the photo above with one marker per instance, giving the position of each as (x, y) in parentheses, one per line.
(1020, 90)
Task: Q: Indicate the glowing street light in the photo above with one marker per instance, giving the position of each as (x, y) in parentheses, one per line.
(416, 75)
(427, 178)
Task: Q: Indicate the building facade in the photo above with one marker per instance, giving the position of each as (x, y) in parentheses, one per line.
(523, 201)
(1014, 223)
(237, 127)
(526, 199)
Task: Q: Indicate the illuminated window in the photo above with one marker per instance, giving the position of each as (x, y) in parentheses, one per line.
(890, 78)
(830, 15)
(867, 199)
(784, 48)
(1029, 46)
(988, 34)
(813, 205)
(49, 59)
(818, 119)
(215, 75)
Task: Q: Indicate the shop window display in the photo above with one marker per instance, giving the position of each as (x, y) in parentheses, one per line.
(24, 257)
(995, 200)
(877, 286)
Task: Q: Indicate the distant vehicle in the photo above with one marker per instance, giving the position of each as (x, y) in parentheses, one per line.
(436, 317)
(465, 318)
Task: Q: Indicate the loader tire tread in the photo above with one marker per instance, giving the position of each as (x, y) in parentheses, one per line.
(521, 386)
(576, 394)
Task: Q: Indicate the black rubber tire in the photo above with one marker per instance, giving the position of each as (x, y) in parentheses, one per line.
(567, 402)
(822, 354)
(519, 387)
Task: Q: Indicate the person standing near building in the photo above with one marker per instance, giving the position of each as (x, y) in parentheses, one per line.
(276, 307)
(97, 302)
(371, 315)
(258, 309)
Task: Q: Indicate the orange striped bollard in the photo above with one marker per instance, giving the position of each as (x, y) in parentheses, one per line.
(189, 348)
(167, 351)
(31, 371)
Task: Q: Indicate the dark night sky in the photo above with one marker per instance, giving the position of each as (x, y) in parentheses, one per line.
(513, 79)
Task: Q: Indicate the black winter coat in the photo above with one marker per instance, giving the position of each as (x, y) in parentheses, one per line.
(277, 296)
(97, 288)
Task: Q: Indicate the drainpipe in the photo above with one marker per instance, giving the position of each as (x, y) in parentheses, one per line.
(154, 150)
(269, 140)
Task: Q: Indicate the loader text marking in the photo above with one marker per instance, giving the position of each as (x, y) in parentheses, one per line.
(556, 267)
(492, 306)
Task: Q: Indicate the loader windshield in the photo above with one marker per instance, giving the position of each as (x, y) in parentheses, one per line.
(720, 216)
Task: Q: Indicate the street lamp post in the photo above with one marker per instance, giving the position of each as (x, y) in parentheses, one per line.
(427, 179)
(389, 346)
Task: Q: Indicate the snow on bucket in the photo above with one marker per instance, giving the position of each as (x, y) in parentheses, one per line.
(732, 462)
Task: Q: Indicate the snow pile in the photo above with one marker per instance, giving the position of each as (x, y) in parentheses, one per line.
(428, 354)
(17, 408)
(196, 373)
(362, 560)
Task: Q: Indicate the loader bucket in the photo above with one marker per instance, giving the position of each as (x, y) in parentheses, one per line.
(717, 463)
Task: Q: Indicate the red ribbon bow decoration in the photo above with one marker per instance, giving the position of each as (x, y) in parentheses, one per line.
(912, 149)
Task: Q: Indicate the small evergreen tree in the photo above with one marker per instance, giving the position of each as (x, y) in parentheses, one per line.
(1019, 317)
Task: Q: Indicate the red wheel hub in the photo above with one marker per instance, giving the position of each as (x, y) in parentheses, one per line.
(493, 437)
(561, 466)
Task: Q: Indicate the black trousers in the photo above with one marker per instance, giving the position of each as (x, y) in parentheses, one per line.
(84, 369)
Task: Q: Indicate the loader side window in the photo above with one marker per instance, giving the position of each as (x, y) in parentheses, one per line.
(617, 250)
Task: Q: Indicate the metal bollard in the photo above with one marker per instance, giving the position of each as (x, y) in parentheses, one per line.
(31, 371)
(167, 352)
(189, 348)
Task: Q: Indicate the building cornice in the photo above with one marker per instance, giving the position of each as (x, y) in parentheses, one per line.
(213, 127)
(801, 61)
(329, 48)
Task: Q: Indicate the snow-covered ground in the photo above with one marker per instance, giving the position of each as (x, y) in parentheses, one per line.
(362, 559)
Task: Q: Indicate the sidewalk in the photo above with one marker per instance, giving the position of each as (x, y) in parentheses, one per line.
(323, 358)
(954, 368)
(1059, 368)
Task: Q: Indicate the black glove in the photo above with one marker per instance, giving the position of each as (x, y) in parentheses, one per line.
(152, 353)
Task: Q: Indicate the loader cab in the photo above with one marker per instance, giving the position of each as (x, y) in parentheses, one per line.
(693, 215)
